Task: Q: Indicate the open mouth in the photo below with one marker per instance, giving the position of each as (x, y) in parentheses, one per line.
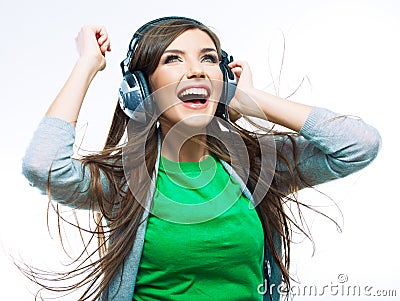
(195, 95)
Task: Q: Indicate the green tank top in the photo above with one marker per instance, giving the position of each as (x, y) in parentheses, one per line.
(204, 240)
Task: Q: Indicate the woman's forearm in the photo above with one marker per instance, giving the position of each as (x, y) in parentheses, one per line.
(289, 114)
(92, 43)
(68, 102)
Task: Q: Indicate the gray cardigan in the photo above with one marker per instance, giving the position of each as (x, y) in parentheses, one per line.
(330, 146)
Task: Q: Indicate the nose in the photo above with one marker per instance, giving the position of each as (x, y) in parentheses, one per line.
(195, 70)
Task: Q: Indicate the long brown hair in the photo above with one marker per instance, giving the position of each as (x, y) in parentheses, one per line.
(118, 213)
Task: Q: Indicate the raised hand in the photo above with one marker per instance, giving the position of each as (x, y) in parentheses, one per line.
(92, 43)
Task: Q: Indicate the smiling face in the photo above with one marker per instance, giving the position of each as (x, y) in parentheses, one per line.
(188, 81)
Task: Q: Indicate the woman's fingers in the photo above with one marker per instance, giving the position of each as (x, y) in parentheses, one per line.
(93, 38)
(92, 43)
(242, 102)
(243, 72)
(103, 40)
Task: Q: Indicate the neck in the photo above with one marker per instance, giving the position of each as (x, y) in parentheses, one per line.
(181, 146)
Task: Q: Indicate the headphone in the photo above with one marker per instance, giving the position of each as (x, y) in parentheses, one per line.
(134, 88)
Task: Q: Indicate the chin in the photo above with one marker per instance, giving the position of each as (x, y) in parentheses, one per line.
(197, 121)
(188, 121)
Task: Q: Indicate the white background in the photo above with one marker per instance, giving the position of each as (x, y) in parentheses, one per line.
(348, 50)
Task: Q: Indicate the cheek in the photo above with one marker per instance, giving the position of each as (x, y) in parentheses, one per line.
(164, 93)
(159, 79)
(218, 76)
(217, 88)
(155, 82)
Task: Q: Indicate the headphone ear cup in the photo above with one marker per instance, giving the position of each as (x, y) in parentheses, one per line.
(141, 78)
(228, 88)
(221, 104)
(133, 91)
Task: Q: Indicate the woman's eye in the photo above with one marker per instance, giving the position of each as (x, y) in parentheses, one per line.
(171, 59)
(210, 58)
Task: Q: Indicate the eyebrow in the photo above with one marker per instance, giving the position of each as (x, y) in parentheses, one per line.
(203, 50)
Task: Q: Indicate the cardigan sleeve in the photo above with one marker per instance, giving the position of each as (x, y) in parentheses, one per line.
(50, 166)
(330, 146)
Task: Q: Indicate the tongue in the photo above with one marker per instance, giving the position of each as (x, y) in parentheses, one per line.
(195, 101)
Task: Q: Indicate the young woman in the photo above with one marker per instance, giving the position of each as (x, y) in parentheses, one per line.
(192, 198)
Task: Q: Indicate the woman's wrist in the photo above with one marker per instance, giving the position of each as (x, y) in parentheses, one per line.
(247, 102)
(89, 65)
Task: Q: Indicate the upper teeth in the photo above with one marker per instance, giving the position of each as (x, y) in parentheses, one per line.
(195, 91)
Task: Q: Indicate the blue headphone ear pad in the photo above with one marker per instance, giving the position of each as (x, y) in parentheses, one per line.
(228, 88)
(133, 90)
(141, 78)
